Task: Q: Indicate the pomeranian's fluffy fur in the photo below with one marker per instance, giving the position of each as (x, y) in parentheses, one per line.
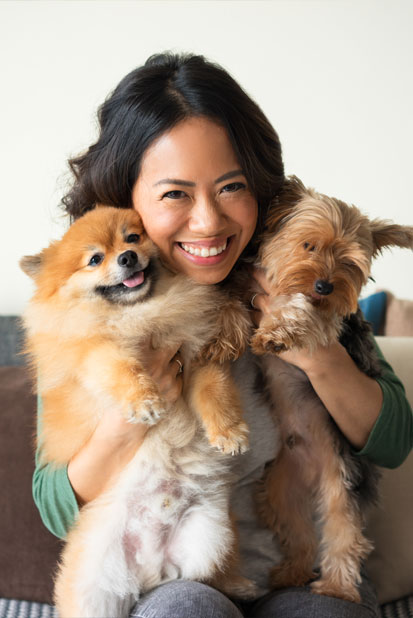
(100, 292)
(317, 253)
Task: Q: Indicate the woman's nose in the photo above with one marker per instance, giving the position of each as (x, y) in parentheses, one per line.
(206, 217)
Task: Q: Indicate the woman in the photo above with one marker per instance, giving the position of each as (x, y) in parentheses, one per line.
(185, 146)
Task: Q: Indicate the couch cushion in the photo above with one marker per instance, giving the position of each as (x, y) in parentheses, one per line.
(399, 317)
(29, 551)
(11, 340)
(390, 526)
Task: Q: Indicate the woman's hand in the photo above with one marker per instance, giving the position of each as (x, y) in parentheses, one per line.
(353, 399)
(165, 367)
(262, 307)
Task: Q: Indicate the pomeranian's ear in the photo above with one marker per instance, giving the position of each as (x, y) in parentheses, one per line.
(31, 264)
(388, 234)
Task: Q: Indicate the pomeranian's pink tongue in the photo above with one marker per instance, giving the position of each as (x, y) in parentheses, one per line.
(135, 280)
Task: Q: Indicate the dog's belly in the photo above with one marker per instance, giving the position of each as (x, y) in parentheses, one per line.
(303, 421)
(156, 510)
(159, 522)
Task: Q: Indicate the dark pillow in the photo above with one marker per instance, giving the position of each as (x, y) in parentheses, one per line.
(28, 551)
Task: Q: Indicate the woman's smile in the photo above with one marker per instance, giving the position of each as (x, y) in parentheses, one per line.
(198, 209)
(206, 252)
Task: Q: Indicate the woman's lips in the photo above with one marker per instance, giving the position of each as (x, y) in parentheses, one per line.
(220, 246)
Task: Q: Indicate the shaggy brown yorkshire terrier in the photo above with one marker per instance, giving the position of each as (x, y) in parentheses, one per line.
(317, 253)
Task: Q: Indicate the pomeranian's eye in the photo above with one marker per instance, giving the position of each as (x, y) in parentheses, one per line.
(96, 259)
(307, 245)
(132, 238)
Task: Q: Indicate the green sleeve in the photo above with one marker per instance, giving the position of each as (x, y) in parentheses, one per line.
(391, 438)
(52, 492)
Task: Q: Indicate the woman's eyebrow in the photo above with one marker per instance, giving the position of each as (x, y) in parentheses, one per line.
(229, 175)
(174, 181)
(188, 183)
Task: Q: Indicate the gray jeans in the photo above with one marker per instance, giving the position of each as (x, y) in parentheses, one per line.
(188, 599)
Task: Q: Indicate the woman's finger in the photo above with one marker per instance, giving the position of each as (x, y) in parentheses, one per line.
(260, 277)
(260, 301)
(177, 364)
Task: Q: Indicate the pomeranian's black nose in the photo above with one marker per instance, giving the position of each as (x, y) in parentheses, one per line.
(128, 259)
(323, 287)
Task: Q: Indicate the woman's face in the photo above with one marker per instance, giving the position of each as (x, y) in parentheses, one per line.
(194, 200)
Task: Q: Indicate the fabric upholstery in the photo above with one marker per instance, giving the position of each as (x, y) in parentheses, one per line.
(28, 551)
(391, 524)
(399, 317)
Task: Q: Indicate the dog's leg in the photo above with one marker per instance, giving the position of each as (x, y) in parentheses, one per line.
(98, 604)
(125, 381)
(233, 327)
(285, 505)
(215, 399)
(228, 579)
(95, 578)
(294, 323)
(343, 546)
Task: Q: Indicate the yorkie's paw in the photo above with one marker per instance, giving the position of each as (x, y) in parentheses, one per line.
(232, 441)
(148, 411)
(285, 575)
(270, 342)
(238, 586)
(327, 588)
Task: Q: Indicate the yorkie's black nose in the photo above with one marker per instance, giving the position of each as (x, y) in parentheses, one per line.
(128, 259)
(323, 287)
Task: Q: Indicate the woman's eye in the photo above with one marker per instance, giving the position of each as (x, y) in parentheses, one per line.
(132, 238)
(96, 259)
(174, 195)
(233, 186)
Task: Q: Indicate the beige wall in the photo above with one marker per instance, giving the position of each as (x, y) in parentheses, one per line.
(334, 77)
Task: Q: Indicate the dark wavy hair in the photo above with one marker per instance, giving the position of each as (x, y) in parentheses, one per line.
(151, 100)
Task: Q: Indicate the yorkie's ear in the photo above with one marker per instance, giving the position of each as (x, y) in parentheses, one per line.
(31, 264)
(387, 234)
(291, 193)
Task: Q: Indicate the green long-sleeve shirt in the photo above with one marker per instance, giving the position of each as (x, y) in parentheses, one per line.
(389, 443)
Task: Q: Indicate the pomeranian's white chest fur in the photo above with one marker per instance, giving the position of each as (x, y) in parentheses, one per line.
(165, 518)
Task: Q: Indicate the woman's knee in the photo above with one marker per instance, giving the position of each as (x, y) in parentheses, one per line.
(184, 599)
(302, 603)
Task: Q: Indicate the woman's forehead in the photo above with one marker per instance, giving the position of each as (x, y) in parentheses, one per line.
(195, 147)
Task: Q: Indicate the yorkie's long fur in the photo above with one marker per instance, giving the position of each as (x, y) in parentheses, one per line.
(101, 292)
(317, 253)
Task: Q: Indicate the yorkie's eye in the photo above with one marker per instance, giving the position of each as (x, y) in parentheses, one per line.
(132, 238)
(96, 259)
(308, 247)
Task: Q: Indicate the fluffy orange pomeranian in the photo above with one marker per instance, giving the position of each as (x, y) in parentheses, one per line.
(101, 292)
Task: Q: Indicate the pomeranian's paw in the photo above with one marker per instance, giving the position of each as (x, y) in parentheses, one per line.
(232, 441)
(220, 351)
(149, 412)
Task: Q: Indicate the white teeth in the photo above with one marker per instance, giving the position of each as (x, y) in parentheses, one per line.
(204, 251)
